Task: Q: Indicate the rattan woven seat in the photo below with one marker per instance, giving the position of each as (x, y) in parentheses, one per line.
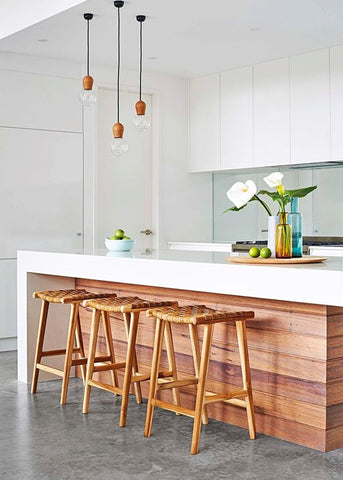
(197, 315)
(125, 304)
(130, 307)
(73, 297)
(194, 316)
(67, 296)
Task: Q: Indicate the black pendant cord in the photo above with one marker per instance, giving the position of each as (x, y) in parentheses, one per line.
(88, 17)
(87, 47)
(140, 59)
(118, 69)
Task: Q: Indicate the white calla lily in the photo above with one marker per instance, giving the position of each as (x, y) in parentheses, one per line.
(240, 193)
(274, 179)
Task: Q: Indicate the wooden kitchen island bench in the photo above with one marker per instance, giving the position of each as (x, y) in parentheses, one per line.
(295, 342)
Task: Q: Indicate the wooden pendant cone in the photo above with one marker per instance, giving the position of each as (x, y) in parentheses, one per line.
(140, 107)
(87, 82)
(118, 130)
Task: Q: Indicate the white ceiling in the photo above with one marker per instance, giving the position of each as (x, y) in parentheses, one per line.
(189, 37)
(31, 13)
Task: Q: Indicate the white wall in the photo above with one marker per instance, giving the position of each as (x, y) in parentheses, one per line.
(182, 201)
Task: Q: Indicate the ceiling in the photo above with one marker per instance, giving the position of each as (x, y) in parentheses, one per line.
(188, 38)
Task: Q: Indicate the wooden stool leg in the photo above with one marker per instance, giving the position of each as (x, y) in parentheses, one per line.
(91, 356)
(199, 405)
(109, 343)
(137, 385)
(194, 337)
(39, 344)
(155, 365)
(171, 359)
(69, 351)
(244, 357)
(130, 355)
(79, 344)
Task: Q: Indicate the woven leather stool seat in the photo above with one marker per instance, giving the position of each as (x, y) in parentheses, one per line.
(67, 296)
(130, 308)
(74, 298)
(194, 316)
(124, 304)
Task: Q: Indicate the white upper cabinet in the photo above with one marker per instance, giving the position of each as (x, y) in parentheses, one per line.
(271, 113)
(287, 111)
(44, 102)
(310, 107)
(336, 92)
(204, 124)
(236, 107)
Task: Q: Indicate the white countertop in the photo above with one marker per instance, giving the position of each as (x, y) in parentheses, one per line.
(320, 283)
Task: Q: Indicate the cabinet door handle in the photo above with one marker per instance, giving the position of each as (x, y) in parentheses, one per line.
(264, 230)
(147, 231)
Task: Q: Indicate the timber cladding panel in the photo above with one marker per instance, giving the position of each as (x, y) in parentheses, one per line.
(296, 359)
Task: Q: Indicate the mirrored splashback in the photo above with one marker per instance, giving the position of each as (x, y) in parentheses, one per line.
(322, 210)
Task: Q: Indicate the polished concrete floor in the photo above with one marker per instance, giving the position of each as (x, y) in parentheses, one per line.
(41, 440)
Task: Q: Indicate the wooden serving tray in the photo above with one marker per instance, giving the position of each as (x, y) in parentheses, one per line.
(283, 261)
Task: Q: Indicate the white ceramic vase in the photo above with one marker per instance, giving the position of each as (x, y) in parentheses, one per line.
(273, 220)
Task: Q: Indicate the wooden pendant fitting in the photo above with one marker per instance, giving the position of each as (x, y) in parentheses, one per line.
(140, 107)
(87, 82)
(118, 130)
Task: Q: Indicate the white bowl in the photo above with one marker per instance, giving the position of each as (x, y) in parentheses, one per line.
(120, 254)
(119, 245)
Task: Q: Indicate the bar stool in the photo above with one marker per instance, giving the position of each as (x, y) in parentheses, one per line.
(74, 298)
(130, 307)
(194, 315)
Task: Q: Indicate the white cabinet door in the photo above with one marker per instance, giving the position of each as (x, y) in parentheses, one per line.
(336, 102)
(310, 107)
(271, 113)
(39, 101)
(8, 299)
(41, 190)
(236, 119)
(204, 124)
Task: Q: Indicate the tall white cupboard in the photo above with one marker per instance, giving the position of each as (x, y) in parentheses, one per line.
(41, 179)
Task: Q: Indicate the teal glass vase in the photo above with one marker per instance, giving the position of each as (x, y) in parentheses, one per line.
(295, 219)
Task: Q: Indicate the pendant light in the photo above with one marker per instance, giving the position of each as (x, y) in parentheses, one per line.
(141, 121)
(119, 146)
(87, 95)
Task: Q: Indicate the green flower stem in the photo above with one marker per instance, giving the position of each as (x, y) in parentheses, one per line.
(264, 205)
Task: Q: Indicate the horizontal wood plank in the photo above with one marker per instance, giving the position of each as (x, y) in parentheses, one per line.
(296, 357)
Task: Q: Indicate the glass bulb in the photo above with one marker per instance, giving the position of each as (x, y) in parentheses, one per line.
(119, 146)
(141, 122)
(87, 97)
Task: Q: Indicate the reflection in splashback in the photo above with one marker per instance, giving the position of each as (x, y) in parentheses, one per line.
(322, 209)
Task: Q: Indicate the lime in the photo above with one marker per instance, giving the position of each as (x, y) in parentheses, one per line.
(254, 252)
(265, 252)
(119, 234)
(126, 238)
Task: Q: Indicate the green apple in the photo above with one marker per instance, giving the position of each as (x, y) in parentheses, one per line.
(119, 234)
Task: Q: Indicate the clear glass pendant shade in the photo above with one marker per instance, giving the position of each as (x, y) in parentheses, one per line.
(141, 122)
(87, 97)
(119, 146)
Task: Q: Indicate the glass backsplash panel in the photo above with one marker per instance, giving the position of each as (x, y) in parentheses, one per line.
(322, 210)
